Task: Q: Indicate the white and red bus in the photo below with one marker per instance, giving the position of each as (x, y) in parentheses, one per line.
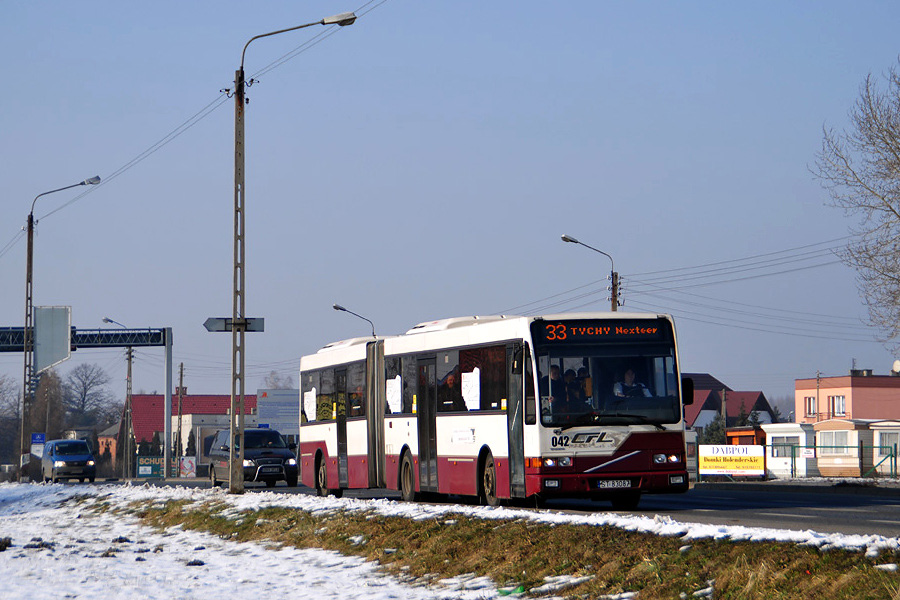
(500, 407)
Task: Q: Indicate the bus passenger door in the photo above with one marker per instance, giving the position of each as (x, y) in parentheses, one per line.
(376, 403)
(340, 399)
(515, 415)
(426, 416)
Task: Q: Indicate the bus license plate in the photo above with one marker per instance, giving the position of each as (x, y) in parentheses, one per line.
(608, 484)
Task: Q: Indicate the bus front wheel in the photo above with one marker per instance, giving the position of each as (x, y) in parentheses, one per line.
(407, 479)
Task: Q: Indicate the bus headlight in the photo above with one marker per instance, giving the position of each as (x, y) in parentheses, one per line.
(662, 459)
(561, 461)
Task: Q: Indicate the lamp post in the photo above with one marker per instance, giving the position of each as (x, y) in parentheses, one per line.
(28, 367)
(239, 320)
(341, 308)
(127, 451)
(614, 277)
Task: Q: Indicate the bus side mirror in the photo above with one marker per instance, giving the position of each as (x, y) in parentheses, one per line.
(687, 391)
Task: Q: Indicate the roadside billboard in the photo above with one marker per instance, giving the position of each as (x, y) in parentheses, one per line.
(740, 461)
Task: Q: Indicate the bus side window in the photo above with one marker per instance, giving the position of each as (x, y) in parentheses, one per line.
(409, 376)
(325, 398)
(530, 403)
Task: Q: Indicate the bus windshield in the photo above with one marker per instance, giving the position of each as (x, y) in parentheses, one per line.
(610, 372)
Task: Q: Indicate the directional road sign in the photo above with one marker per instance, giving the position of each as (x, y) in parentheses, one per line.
(226, 324)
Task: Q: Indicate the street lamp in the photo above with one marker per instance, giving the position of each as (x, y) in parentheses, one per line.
(239, 320)
(614, 277)
(127, 452)
(28, 367)
(341, 308)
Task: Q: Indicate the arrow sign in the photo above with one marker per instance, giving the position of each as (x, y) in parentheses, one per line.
(218, 324)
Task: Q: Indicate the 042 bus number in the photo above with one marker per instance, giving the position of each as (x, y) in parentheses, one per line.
(556, 332)
(559, 441)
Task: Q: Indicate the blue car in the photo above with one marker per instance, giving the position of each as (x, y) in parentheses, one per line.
(68, 459)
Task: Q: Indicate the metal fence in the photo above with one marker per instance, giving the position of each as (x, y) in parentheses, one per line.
(860, 460)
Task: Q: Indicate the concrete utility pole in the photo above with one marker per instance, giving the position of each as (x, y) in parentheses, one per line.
(818, 382)
(128, 451)
(239, 314)
(180, 398)
(28, 373)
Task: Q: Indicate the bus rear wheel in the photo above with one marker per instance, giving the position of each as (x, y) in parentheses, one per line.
(407, 479)
(321, 479)
(489, 482)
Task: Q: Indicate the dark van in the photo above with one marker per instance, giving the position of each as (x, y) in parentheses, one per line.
(267, 458)
(68, 459)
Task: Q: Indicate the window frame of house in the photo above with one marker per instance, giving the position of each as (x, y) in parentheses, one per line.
(893, 442)
(832, 446)
(811, 406)
(783, 445)
(838, 405)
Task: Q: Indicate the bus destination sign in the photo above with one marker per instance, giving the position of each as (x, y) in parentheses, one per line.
(599, 331)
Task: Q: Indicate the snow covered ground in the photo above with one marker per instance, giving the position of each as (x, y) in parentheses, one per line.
(68, 551)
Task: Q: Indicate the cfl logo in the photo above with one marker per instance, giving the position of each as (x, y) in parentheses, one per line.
(590, 438)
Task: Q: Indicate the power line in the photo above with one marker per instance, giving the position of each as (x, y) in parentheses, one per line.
(193, 120)
(737, 268)
(795, 332)
(804, 247)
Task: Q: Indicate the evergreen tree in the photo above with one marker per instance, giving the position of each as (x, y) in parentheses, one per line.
(192, 444)
(714, 433)
(753, 421)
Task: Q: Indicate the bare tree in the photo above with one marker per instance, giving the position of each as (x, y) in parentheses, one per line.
(10, 407)
(276, 381)
(87, 397)
(47, 411)
(860, 168)
(10, 403)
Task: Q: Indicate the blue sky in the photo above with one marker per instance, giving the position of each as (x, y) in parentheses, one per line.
(424, 162)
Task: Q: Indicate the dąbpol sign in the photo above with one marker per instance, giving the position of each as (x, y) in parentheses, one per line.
(732, 460)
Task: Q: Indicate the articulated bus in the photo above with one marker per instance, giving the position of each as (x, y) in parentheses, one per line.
(503, 408)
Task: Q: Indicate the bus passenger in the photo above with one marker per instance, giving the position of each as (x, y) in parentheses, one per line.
(552, 385)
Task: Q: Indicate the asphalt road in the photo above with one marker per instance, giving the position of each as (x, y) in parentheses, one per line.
(819, 508)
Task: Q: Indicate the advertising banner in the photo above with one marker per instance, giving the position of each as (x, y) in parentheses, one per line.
(150, 466)
(732, 460)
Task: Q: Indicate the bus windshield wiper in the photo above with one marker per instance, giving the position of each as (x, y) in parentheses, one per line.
(640, 419)
(591, 418)
(595, 418)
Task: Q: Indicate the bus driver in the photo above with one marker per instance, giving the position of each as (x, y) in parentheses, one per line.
(629, 388)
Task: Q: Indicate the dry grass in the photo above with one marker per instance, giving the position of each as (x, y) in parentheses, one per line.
(523, 552)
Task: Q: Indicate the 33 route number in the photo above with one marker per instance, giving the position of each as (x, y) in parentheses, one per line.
(556, 332)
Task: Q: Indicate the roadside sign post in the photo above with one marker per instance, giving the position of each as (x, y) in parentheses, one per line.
(237, 327)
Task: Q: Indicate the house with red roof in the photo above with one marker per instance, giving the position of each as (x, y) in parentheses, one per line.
(201, 414)
(712, 398)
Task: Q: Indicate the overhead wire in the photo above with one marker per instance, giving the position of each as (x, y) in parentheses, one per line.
(746, 258)
(750, 326)
(738, 265)
(193, 120)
